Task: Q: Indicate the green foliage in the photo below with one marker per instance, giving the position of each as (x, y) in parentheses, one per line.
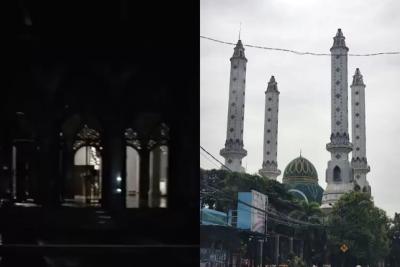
(394, 237)
(356, 222)
(221, 189)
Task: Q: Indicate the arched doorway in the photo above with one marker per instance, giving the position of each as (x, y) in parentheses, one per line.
(159, 169)
(84, 187)
(132, 169)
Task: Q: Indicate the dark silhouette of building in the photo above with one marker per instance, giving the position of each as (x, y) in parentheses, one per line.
(84, 85)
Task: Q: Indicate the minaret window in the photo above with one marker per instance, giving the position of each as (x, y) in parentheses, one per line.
(233, 91)
(229, 161)
(357, 137)
(338, 123)
(337, 69)
(243, 92)
(357, 125)
(357, 114)
(269, 98)
(267, 152)
(268, 130)
(269, 109)
(231, 129)
(338, 156)
(356, 92)
(232, 116)
(337, 174)
(268, 119)
(357, 103)
(337, 109)
(337, 82)
(357, 148)
(234, 78)
(244, 80)
(233, 104)
(337, 56)
(234, 66)
(268, 141)
(337, 95)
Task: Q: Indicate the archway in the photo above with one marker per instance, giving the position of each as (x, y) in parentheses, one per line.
(337, 174)
(158, 176)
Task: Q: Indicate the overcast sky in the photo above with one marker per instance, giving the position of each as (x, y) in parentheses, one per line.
(304, 81)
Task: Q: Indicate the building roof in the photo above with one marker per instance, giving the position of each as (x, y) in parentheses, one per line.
(300, 170)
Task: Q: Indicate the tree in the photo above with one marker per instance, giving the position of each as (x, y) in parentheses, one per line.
(314, 236)
(394, 237)
(362, 227)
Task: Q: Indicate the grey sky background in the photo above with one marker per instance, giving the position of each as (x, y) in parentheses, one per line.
(304, 81)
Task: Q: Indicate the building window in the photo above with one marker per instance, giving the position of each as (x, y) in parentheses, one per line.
(337, 174)
(158, 168)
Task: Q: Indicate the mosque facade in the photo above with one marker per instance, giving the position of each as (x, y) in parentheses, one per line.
(342, 174)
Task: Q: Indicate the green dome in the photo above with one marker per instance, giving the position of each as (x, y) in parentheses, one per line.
(300, 170)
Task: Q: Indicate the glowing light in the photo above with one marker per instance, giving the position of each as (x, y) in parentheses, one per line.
(119, 190)
(119, 179)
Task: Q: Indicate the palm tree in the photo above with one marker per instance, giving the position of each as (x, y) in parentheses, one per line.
(313, 235)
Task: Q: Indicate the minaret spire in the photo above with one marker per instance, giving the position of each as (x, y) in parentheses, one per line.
(270, 165)
(359, 158)
(240, 29)
(233, 152)
(339, 176)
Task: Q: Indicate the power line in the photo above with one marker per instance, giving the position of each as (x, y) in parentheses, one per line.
(304, 53)
(215, 158)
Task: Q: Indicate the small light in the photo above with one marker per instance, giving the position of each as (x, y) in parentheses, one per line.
(119, 190)
(119, 179)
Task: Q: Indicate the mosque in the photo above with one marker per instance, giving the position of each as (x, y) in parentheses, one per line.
(300, 176)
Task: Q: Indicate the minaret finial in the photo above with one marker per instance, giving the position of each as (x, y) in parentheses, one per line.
(300, 152)
(240, 29)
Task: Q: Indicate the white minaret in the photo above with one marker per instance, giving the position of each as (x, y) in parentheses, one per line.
(233, 151)
(359, 159)
(270, 164)
(339, 176)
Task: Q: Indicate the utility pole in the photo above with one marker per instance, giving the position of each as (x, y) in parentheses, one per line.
(262, 242)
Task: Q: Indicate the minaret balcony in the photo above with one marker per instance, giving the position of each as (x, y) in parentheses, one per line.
(233, 152)
(346, 148)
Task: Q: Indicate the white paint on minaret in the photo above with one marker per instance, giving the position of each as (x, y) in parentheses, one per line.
(359, 159)
(270, 152)
(233, 151)
(339, 175)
